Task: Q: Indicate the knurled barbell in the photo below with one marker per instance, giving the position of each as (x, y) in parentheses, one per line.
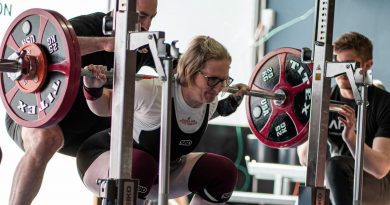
(39, 87)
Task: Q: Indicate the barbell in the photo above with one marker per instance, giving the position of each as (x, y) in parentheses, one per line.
(39, 86)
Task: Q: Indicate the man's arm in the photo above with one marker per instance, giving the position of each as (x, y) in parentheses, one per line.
(377, 158)
(88, 29)
(94, 44)
(381, 153)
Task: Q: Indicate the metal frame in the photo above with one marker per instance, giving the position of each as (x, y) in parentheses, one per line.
(363, 83)
(314, 191)
(165, 53)
(124, 190)
(125, 20)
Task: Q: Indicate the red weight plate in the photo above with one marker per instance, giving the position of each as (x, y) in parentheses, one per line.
(281, 124)
(49, 104)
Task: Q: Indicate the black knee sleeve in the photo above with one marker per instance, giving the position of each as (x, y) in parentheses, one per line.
(213, 178)
(145, 169)
(144, 166)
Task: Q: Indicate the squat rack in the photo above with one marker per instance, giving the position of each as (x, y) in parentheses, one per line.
(314, 192)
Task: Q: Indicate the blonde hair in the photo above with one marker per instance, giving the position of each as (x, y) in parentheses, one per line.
(200, 50)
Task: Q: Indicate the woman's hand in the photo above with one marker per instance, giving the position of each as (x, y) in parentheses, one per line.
(243, 89)
(99, 77)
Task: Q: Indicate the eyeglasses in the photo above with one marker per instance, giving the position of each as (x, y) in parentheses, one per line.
(214, 81)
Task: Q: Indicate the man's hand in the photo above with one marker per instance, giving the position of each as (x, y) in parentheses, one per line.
(348, 118)
(90, 45)
(109, 44)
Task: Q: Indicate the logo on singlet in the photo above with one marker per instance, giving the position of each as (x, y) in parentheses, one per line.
(335, 127)
(226, 195)
(336, 124)
(142, 189)
(188, 121)
(186, 143)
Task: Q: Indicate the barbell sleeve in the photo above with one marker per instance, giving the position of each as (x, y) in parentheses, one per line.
(261, 94)
(334, 105)
(10, 66)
